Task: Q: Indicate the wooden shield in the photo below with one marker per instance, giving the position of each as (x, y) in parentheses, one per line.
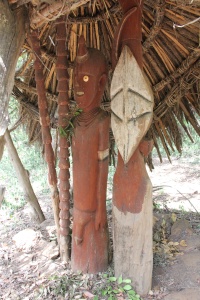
(131, 104)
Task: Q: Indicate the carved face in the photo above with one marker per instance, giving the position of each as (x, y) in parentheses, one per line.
(131, 104)
(86, 86)
(90, 75)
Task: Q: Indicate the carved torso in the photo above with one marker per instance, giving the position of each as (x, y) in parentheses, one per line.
(85, 147)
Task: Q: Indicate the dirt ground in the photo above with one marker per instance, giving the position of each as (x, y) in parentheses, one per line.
(31, 269)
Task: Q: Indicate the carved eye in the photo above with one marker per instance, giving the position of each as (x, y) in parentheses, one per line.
(85, 78)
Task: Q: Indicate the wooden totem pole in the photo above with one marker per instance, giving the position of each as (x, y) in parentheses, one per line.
(132, 111)
(90, 145)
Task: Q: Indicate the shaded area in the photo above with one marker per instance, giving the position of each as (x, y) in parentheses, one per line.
(171, 60)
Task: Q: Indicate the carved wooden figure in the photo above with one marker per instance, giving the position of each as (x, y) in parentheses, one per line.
(90, 145)
(132, 110)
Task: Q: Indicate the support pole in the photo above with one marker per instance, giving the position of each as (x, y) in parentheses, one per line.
(63, 110)
(23, 178)
(45, 126)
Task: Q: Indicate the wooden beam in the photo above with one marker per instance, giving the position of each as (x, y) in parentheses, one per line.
(185, 65)
(159, 16)
(56, 9)
(178, 91)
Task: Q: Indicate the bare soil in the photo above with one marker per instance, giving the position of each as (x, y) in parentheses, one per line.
(31, 269)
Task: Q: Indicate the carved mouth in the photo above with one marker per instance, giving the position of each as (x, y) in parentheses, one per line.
(80, 93)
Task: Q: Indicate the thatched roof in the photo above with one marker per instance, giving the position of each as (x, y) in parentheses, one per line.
(171, 48)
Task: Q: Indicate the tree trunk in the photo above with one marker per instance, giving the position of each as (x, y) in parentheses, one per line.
(12, 33)
(23, 178)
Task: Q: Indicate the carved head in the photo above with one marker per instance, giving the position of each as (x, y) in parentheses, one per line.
(90, 76)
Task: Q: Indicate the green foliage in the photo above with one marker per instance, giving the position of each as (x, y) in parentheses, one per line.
(66, 286)
(79, 286)
(68, 131)
(116, 287)
(32, 161)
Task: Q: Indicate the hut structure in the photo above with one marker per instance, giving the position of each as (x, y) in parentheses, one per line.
(170, 40)
(51, 30)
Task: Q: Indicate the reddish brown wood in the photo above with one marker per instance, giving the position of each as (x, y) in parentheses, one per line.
(129, 31)
(130, 179)
(45, 126)
(63, 109)
(90, 163)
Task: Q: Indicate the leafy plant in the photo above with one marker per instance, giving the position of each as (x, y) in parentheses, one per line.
(69, 129)
(119, 287)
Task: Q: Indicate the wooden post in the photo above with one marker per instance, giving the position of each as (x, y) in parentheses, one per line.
(63, 110)
(23, 178)
(132, 106)
(45, 126)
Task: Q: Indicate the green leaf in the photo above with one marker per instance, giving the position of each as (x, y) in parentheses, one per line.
(110, 297)
(126, 281)
(120, 280)
(127, 287)
(104, 292)
(137, 296)
(105, 275)
(70, 123)
(62, 131)
(131, 292)
(116, 291)
(112, 279)
(95, 298)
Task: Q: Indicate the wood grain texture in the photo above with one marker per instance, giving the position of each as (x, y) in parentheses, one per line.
(131, 104)
(133, 244)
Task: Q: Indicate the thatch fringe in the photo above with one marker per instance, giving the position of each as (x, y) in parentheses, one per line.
(185, 65)
(31, 89)
(115, 9)
(179, 90)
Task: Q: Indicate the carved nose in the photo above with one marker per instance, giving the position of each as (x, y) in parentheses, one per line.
(76, 84)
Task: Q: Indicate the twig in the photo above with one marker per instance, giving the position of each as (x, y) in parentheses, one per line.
(184, 25)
